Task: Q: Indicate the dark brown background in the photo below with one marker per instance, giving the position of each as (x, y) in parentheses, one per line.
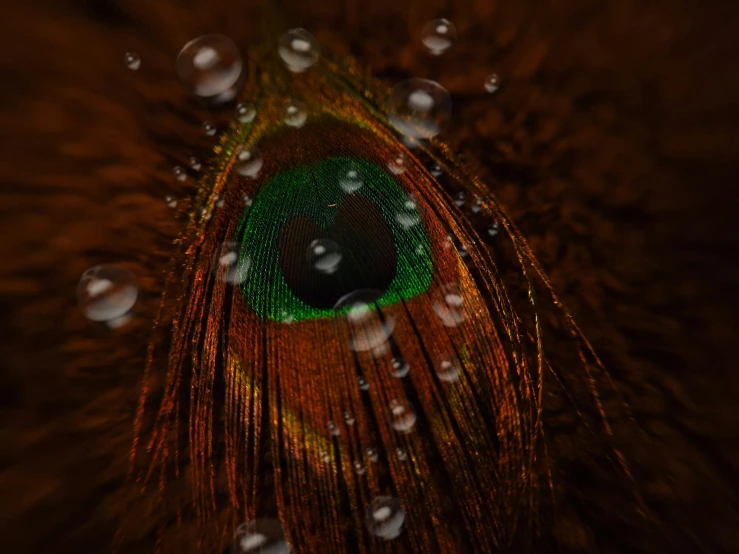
(613, 143)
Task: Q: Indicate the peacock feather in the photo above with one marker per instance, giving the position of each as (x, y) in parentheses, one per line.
(338, 337)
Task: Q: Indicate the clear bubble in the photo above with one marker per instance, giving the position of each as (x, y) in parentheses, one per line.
(407, 216)
(460, 198)
(477, 205)
(372, 455)
(369, 331)
(349, 418)
(324, 255)
(359, 468)
(436, 170)
(132, 61)
(260, 536)
(333, 429)
(195, 163)
(419, 108)
(248, 162)
(209, 65)
(449, 305)
(448, 370)
(179, 173)
(363, 383)
(294, 113)
(385, 517)
(439, 35)
(246, 112)
(248, 201)
(401, 454)
(401, 416)
(492, 83)
(399, 367)
(398, 164)
(209, 128)
(231, 263)
(351, 179)
(171, 201)
(493, 229)
(106, 292)
(298, 49)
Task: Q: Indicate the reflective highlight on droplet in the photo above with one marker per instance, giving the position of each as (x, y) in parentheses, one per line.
(399, 367)
(438, 36)
(419, 108)
(132, 61)
(448, 370)
(260, 536)
(324, 255)
(398, 164)
(179, 173)
(401, 416)
(385, 517)
(294, 113)
(106, 292)
(492, 83)
(448, 304)
(246, 112)
(209, 128)
(231, 265)
(351, 179)
(195, 163)
(209, 65)
(298, 49)
(248, 162)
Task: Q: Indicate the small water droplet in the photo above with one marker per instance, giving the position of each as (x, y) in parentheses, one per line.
(325, 457)
(209, 65)
(246, 112)
(248, 162)
(209, 128)
(171, 201)
(324, 255)
(436, 170)
(448, 304)
(477, 205)
(492, 83)
(205, 213)
(333, 429)
(401, 455)
(372, 455)
(179, 173)
(298, 49)
(349, 418)
(448, 370)
(294, 113)
(363, 383)
(493, 229)
(419, 108)
(132, 60)
(248, 201)
(400, 367)
(351, 179)
(260, 536)
(359, 468)
(195, 163)
(232, 263)
(462, 251)
(398, 164)
(438, 36)
(219, 202)
(385, 517)
(369, 332)
(408, 215)
(286, 317)
(460, 198)
(401, 415)
(107, 292)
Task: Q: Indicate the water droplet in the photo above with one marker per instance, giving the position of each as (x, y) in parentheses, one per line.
(398, 164)
(260, 536)
(419, 108)
(351, 179)
(493, 229)
(349, 418)
(401, 415)
(448, 304)
(209, 65)
(171, 201)
(179, 173)
(219, 202)
(436, 170)
(492, 83)
(400, 367)
(401, 455)
(324, 255)
(363, 383)
(385, 517)
(372, 455)
(195, 163)
(286, 317)
(448, 370)
(106, 292)
(294, 112)
(462, 251)
(248, 162)
(408, 216)
(325, 456)
(132, 60)
(477, 206)
(209, 128)
(205, 214)
(369, 331)
(359, 468)
(231, 263)
(459, 199)
(333, 429)
(248, 201)
(438, 36)
(298, 49)
(246, 112)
